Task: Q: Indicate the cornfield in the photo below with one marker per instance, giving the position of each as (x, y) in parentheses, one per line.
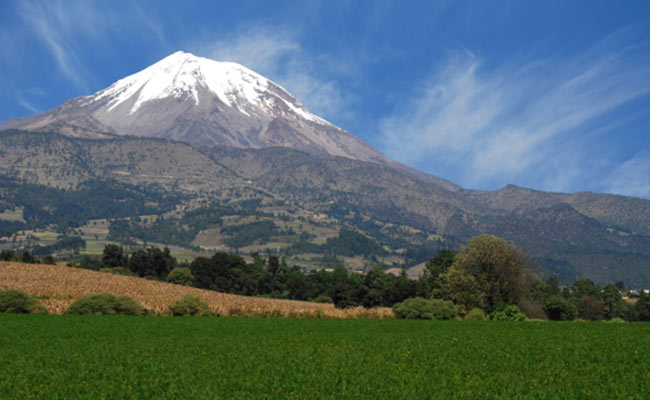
(57, 286)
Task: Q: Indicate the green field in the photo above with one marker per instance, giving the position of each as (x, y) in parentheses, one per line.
(64, 357)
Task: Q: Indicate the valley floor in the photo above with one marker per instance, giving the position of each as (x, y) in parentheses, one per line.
(66, 357)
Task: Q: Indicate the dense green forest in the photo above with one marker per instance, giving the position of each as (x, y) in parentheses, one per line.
(44, 206)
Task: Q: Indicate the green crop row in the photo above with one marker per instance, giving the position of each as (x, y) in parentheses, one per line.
(65, 357)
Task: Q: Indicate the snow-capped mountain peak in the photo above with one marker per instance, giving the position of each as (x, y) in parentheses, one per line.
(183, 75)
(201, 101)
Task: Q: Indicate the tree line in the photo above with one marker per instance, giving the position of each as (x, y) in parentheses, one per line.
(488, 274)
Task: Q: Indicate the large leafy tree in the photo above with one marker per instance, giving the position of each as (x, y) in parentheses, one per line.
(435, 274)
(113, 256)
(584, 287)
(375, 288)
(216, 273)
(560, 309)
(613, 302)
(152, 262)
(642, 307)
(487, 272)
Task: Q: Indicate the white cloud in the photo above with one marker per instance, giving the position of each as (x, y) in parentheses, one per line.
(632, 177)
(278, 54)
(66, 29)
(524, 122)
(53, 25)
(27, 105)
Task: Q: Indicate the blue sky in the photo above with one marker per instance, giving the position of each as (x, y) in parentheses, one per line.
(551, 95)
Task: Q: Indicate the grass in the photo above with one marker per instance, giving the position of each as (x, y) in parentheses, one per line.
(66, 357)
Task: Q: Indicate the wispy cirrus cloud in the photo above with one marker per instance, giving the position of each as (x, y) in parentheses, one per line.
(632, 177)
(527, 122)
(278, 54)
(69, 30)
(27, 105)
(56, 26)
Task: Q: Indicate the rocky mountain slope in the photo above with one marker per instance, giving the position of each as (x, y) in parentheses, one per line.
(58, 161)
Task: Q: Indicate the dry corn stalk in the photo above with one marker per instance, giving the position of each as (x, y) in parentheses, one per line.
(58, 286)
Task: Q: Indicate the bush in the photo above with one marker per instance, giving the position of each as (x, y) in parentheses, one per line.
(190, 305)
(415, 308)
(507, 313)
(532, 309)
(616, 320)
(591, 308)
(443, 309)
(13, 301)
(106, 304)
(560, 309)
(322, 298)
(49, 260)
(476, 314)
(117, 271)
(419, 308)
(237, 312)
(181, 276)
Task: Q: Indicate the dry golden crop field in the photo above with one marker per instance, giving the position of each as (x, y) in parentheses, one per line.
(57, 286)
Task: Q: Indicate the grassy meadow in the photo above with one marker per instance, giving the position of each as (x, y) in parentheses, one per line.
(65, 357)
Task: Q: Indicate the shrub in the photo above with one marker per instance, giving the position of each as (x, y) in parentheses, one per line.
(419, 308)
(414, 308)
(13, 301)
(49, 260)
(560, 309)
(532, 309)
(117, 271)
(507, 313)
(181, 276)
(591, 308)
(476, 314)
(616, 320)
(322, 298)
(443, 309)
(106, 304)
(190, 305)
(236, 312)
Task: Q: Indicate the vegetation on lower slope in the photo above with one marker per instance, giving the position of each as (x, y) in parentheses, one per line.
(60, 184)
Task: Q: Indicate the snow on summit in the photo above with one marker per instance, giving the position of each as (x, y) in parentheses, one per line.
(202, 102)
(183, 74)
